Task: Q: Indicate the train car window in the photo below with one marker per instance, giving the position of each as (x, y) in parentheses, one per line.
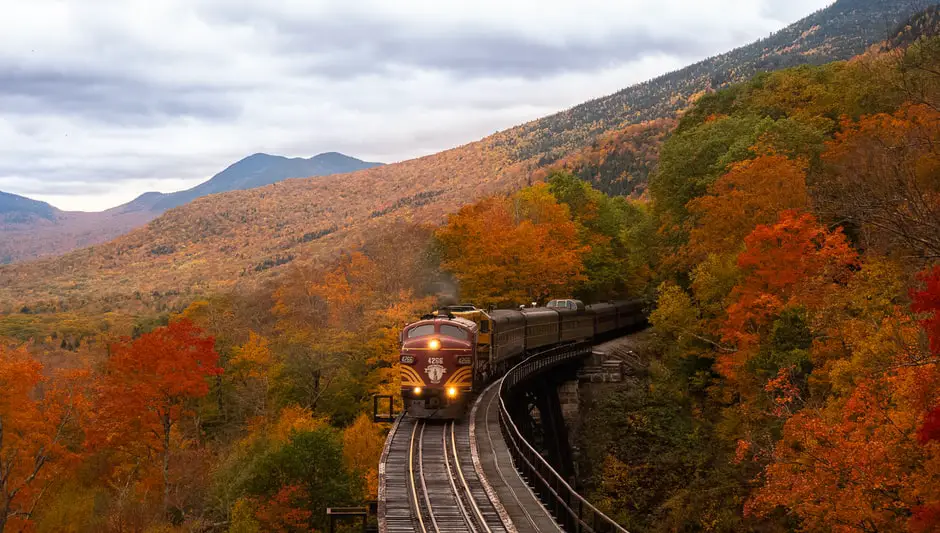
(420, 331)
(453, 332)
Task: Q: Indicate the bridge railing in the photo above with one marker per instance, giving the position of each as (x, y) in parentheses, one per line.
(573, 512)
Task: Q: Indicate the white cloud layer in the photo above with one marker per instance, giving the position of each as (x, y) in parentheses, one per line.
(101, 100)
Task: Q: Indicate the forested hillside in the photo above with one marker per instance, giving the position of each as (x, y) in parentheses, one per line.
(797, 382)
(240, 237)
(841, 31)
(923, 23)
(31, 229)
(788, 249)
(618, 162)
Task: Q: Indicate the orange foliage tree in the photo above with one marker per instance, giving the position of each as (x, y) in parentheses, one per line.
(792, 262)
(37, 414)
(753, 192)
(348, 314)
(509, 250)
(284, 513)
(867, 461)
(149, 388)
(883, 178)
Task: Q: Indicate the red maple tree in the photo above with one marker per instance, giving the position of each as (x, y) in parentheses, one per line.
(927, 301)
(149, 388)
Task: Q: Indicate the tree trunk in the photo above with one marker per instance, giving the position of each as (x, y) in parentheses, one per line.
(4, 495)
(218, 397)
(167, 425)
(4, 513)
(316, 388)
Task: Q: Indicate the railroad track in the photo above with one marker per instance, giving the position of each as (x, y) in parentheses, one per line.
(430, 482)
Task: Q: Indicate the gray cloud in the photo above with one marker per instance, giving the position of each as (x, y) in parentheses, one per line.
(100, 101)
(106, 98)
(356, 47)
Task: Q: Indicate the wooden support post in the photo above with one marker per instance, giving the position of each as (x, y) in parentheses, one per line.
(376, 417)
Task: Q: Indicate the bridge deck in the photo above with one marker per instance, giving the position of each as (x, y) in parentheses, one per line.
(440, 477)
(428, 482)
(525, 511)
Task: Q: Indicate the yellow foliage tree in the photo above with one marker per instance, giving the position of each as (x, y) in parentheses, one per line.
(362, 446)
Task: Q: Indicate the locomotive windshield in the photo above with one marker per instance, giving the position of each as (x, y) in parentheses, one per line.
(446, 330)
(453, 332)
(421, 331)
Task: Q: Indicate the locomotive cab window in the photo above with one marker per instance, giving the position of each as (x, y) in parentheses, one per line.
(420, 331)
(453, 332)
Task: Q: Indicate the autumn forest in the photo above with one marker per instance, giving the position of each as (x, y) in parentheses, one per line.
(784, 232)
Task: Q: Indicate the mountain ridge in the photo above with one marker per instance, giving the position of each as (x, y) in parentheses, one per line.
(19, 209)
(25, 234)
(260, 169)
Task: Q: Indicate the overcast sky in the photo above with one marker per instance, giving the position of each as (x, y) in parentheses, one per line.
(102, 100)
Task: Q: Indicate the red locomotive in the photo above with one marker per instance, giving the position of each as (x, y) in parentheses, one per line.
(437, 356)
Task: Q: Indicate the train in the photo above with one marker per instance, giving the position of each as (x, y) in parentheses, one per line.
(449, 356)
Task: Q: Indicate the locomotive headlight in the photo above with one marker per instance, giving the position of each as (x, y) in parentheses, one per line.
(417, 391)
(451, 392)
(434, 344)
(408, 359)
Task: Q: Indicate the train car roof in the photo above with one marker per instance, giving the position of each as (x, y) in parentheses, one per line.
(469, 324)
(539, 311)
(505, 314)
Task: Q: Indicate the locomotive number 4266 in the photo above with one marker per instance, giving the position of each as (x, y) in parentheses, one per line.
(435, 360)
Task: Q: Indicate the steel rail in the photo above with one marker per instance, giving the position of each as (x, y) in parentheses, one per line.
(453, 484)
(463, 480)
(411, 476)
(424, 486)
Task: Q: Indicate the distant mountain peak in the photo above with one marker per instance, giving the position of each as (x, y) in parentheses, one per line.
(336, 158)
(333, 155)
(16, 209)
(260, 169)
(144, 202)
